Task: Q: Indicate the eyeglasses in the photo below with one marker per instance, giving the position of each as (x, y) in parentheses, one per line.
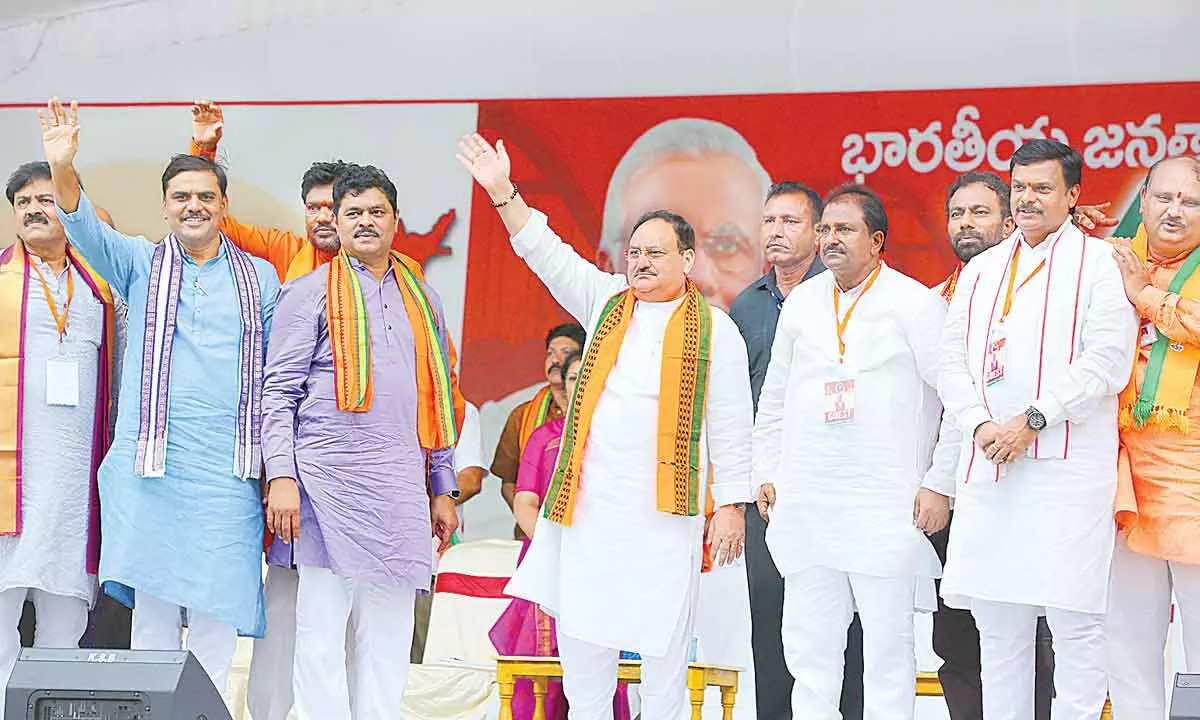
(653, 254)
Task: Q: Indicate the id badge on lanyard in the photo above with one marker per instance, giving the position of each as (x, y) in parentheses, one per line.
(62, 382)
(839, 400)
(994, 360)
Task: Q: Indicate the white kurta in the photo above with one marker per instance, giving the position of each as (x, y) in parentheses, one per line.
(1040, 532)
(845, 491)
(622, 574)
(50, 554)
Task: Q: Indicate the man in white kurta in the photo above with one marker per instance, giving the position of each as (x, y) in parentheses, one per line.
(843, 449)
(1038, 342)
(624, 575)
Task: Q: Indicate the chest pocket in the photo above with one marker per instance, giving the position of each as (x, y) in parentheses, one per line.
(86, 320)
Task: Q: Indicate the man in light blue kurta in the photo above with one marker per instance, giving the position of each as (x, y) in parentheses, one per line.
(181, 510)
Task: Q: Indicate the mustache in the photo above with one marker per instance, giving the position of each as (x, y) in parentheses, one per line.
(968, 234)
(362, 232)
(200, 215)
(1024, 207)
(324, 226)
(36, 217)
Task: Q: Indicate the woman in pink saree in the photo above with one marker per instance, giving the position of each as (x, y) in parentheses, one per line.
(524, 630)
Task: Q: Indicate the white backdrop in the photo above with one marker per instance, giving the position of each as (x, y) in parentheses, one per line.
(265, 50)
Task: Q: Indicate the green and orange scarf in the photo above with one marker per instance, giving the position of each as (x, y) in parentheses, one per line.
(687, 348)
(535, 415)
(439, 408)
(1171, 370)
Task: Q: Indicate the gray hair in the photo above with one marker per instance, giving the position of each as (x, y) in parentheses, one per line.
(693, 137)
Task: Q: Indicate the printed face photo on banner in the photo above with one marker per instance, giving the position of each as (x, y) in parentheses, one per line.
(593, 165)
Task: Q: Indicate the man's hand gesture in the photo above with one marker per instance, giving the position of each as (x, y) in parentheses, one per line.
(208, 122)
(489, 166)
(60, 133)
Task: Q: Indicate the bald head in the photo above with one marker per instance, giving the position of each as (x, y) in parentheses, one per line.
(1171, 206)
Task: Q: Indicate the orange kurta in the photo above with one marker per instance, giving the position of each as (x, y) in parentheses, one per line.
(1158, 494)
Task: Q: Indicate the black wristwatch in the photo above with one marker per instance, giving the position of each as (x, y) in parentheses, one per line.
(1035, 419)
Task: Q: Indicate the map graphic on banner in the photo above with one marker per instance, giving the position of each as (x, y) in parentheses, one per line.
(593, 165)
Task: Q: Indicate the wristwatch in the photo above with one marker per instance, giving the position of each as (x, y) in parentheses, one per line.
(1035, 419)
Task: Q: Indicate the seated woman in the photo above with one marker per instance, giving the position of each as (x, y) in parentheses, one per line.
(523, 629)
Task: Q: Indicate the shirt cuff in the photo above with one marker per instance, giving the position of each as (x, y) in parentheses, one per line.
(730, 493)
(971, 419)
(1147, 302)
(281, 466)
(939, 483)
(528, 237)
(1049, 406)
(443, 482)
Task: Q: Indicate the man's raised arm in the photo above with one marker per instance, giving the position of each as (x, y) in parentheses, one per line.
(60, 142)
(111, 253)
(575, 283)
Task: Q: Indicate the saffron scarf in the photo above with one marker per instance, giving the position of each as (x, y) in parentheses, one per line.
(305, 261)
(162, 304)
(687, 346)
(535, 415)
(439, 416)
(1171, 371)
(951, 283)
(15, 269)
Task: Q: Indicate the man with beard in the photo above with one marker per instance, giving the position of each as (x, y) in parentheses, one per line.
(977, 218)
(1038, 341)
(789, 242)
(1158, 549)
(179, 490)
(56, 367)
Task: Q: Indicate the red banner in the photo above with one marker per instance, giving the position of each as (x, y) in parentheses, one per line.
(908, 146)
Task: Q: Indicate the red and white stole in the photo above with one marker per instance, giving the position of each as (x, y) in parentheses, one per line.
(1058, 328)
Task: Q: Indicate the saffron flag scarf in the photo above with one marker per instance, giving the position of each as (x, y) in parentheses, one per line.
(687, 347)
(439, 416)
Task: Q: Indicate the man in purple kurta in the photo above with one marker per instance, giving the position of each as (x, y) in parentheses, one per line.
(355, 495)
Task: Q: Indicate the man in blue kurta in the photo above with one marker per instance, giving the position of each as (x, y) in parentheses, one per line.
(179, 491)
(359, 426)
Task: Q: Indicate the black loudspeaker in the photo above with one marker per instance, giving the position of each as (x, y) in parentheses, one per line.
(111, 685)
(1185, 697)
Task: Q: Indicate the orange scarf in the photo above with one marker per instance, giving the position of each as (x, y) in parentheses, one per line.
(535, 415)
(687, 345)
(309, 259)
(440, 411)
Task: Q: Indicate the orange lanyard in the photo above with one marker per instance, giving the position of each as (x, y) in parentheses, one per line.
(1012, 279)
(842, 323)
(60, 320)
